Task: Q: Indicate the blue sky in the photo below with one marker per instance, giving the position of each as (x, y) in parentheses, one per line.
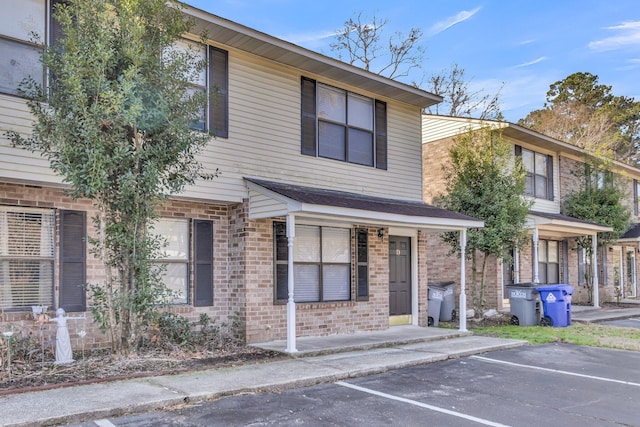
(525, 44)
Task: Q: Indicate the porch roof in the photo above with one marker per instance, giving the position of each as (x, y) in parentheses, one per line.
(632, 234)
(563, 225)
(268, 199)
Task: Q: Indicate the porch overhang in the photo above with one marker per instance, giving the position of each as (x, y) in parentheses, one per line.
(269, 199)
(558, 225)
(297, 203)
(632, 235)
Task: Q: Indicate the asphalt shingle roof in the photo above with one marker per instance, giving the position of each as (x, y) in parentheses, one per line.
(343, 199)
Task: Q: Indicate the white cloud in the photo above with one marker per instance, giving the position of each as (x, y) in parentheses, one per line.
(306, 38)
(627, 34)
(535, 61)
(449, 22)
(632, 64)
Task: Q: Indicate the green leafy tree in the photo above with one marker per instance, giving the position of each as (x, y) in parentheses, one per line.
(486, 181)
(362, 42)
(585, 113)
(599, 200)
(116, 127)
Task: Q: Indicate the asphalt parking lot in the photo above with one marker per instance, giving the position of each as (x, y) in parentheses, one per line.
(552, 384)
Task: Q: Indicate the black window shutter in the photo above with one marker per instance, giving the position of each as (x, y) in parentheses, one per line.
(635, 197)
(203, 263)
(308, 145)
(73, 260)
(550, 177)
(218, 92)
(518, 150)
(381, 135)
(281, 255)
(362, 261)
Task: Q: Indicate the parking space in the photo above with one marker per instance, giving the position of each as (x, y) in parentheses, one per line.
(537, 385)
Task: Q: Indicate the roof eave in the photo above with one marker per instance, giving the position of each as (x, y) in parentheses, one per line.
(246, 39)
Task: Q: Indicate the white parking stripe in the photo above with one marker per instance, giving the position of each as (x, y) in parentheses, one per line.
(422, 405)
(104, 423)
(556, 371)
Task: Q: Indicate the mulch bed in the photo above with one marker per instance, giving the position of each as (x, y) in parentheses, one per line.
(101, 366)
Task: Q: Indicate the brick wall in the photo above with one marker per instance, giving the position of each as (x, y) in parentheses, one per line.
(267, 320)
(45, 197)
(434, 156)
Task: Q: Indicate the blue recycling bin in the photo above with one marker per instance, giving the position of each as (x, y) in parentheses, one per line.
(556, 304)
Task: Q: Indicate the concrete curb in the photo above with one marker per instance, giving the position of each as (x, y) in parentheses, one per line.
(139, 395)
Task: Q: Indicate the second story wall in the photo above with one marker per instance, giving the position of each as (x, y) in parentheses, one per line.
(265, 127)
(265, 139)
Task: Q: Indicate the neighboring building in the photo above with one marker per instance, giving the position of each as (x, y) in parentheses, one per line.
(311, 194)
(552, 257)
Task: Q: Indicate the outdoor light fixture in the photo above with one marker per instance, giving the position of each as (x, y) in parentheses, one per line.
(381, 233)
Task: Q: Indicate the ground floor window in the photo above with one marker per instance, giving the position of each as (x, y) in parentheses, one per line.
(175, 256)
(322, 263)
(26, 257)
(549, 261)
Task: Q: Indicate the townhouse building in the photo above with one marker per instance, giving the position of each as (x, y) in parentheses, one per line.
(315, 225)
(552, 256)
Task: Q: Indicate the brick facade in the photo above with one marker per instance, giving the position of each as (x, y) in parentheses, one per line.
(445, 267)
(243, 275)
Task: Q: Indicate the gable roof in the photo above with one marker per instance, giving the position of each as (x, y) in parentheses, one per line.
(436, 127)
(333, 204)
(246, 39)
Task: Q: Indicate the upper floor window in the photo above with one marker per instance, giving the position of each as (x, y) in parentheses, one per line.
(213, 79)
(19, 54)
(539, 173)
(20, 58)
(598, 179)
(27, 247)
(341, 125)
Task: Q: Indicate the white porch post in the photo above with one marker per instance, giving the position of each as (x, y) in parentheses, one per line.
(291, 305)
(516, 265)
(536, 274)
(594, 263)
(463, 284)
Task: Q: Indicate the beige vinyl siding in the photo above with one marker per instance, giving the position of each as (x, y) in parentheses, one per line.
(17, 164)
(262, 206)
(264, 140)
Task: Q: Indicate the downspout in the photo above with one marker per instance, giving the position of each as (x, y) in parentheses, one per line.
(463, 275)
(291, 305)
(594, 263)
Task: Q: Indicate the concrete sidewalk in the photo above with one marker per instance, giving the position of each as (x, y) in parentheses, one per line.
(320, 360)
(587, 314)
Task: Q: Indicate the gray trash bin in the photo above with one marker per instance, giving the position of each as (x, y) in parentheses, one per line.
(435, 295)
(448, 308)
(524, 300)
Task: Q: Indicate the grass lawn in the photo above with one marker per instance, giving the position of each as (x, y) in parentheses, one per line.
(580, 334)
